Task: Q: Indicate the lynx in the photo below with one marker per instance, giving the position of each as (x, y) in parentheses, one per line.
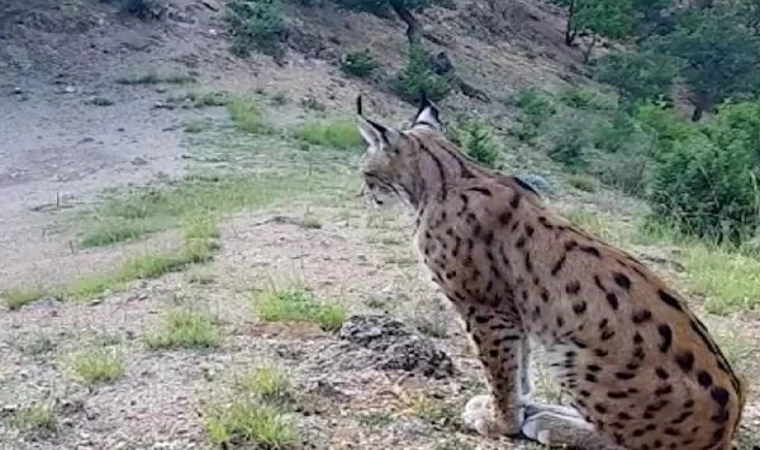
(640, 368)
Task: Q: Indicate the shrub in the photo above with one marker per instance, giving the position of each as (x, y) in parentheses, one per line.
(144, 9)
(478, 142)
(535, 110)
(361, 64)
(570, 139)
(256, 24)
(418, 78)
(708, 189)
(637, 76)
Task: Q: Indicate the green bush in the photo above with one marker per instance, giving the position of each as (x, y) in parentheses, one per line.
(535, 109)
(477, 140)
(637, 76)
(256, 24)
(360, 64)
(570, 139)
(707, 182)
(418, 78)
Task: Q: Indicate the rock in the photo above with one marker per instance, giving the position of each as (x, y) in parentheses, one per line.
(396, 346)
(210, 4)
(537, 182)
(69, 89)
(139, 161)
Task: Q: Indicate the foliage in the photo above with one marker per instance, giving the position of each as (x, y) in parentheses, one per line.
(535, 109)
(256, 24)
(360, 64)
(418, 78)
(707, 181)
(719, 56)
(338, 134)
(637, 76)
(477, 140)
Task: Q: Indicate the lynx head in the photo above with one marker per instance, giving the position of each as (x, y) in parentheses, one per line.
(390, 163)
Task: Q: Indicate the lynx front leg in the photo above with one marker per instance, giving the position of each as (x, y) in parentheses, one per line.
(500, 343)
(525, 368)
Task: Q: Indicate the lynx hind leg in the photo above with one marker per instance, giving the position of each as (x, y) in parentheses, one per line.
(555, 429)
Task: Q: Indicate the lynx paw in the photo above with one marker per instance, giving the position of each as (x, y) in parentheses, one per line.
(480, 416)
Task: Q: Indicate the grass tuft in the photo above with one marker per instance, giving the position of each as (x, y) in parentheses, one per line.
(185, 329)
(245, 114)
(298, 305)
(269, 384)
(155, 77)
(37, 417)
(338, 134)
(16, 298)
(98, 365)
(433, 411)
(246, 423)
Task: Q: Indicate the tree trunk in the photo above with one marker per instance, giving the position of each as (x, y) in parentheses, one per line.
(413, 32)
(570, 29)
(702, 105)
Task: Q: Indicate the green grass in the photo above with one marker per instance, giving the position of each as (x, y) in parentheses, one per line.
(730, 280)
(129, 216)
(434, 411)
(298, 305)
(155, 77)
(37, 417)
(185, 328)
(98, 365)
(337, 134)
(583, 183)
(244, 423)
(269, 384)
(200, 99)
(16, 298)
(376, 419)
(246, 115)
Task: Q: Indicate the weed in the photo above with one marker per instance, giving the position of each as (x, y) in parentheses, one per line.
(195, 126)
(298, 305)
(155, 77)
(376, 419)
(19, 297)
(434, 411)
(360, 64)
(37, 417)
(99, 101)
(245, 422)
(185, 329)
(245, 115)
(200, 276)
(311, 222)
(98, 365)
(201, 99)
(38, 345)
(268, 384)
(453, 444)
(583, 183)
(337, 134)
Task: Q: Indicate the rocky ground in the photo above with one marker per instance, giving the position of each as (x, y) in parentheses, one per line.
(387, 367)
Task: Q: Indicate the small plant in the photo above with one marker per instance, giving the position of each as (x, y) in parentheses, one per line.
(155, 77)
(256, 24)
(298, 305)
(269, 384)
(434, 411)
(535, 110)
(200, 99)
(583, 183)
(200, 276)
(18, 297)
(360, 64)
(185, 329)
(479, 144)
(245, 115)
(39, 345)
(36, 418)
(337, 134)
(144, 9)
(418, 78)
(570, 140)
(243, 422)
(99, 101)
(279, 98)
(376, 419)
(98, 365)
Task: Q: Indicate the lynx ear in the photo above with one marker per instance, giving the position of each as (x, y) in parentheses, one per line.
(377, 136)
(427, 115)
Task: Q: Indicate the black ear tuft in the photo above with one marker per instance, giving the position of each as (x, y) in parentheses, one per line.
(359, 104)
(381, 129)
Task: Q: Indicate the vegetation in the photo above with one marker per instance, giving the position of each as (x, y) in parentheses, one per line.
(269, 384)
(256, 24)
(155, 77)
(360, 64)
(18, 297)
(185, 328)
(476, 138)
(98, 365)
(143, 9)
(298, 305)
(418, 78)
(36, 418)
(245, 115)
(339, 134)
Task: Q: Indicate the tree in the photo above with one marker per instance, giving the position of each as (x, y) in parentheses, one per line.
(719, 56)
(404, 9)
(638, 76)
